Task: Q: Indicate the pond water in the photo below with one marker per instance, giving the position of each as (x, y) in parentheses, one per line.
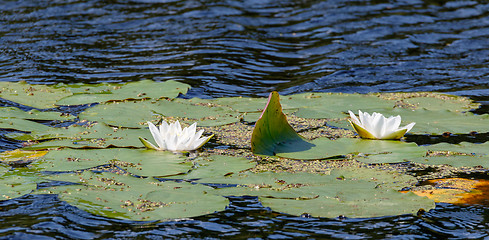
(247, 48)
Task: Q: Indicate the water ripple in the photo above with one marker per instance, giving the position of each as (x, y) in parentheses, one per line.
(229, 48)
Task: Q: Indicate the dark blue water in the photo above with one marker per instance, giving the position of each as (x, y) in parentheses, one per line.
(247, 48)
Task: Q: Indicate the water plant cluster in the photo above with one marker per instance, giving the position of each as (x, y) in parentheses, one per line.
(95, 161)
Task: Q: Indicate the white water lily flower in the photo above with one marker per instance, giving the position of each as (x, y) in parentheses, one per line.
(376, 126)
(171, 137)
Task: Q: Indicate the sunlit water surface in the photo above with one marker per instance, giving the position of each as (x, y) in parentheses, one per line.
(247, 48)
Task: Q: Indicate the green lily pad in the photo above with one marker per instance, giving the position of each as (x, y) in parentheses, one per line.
(133, 90)
(368, 203)
(388, 151)
(3, 169)
(272, 129)
(13, 112)
(21, 124)
(457, 155)
(136, 114)
(320, 148)
(151, 163)
(372, 151)
(333, 105)
(37, 96)
(453, 103)
(239, 104)
(139, 199)
(349, 192)
(136, 161)
(16, 183)
(438, 122)
(216, 167)
(97, 136)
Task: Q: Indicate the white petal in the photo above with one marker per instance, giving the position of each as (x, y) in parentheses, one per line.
(392, 124)
(363, 117)
(171, 143)
(354, 118)
(378, 125)
(164, 128)
(194, 142)
(156, 135)
(200, 142)
(409, 126)
(178, 127)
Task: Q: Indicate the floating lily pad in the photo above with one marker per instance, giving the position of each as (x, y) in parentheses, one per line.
(150, 162)
(239, 104)
(216, 167)
(132, 90)
(136, 114)
(21, 124)
(333, 105)
(320, 148)
(438, 122)
(2, 168)
(136, 161)
(457, 155)
(452, 103)
(20, 156)
(372, 151)
(16, 183)
(349, 192)
(388, 151)
(366, 204)
(130, 198)
(13, 112)
(37, 96)
(272, 129)
(96, 136)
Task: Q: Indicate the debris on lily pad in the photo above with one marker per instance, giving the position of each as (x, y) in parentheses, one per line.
(343, 192)
(132, 198)
(118, 92)
(302, 158)
(33, 95)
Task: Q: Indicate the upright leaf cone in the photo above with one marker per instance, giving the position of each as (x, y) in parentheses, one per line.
(376, 126)
(171, 137)
(272, 129)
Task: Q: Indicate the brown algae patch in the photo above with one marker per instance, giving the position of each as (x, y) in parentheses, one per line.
(401, 97)
(238, 135)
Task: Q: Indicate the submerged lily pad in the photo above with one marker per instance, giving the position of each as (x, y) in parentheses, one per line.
(133, 90)
(140, 199)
